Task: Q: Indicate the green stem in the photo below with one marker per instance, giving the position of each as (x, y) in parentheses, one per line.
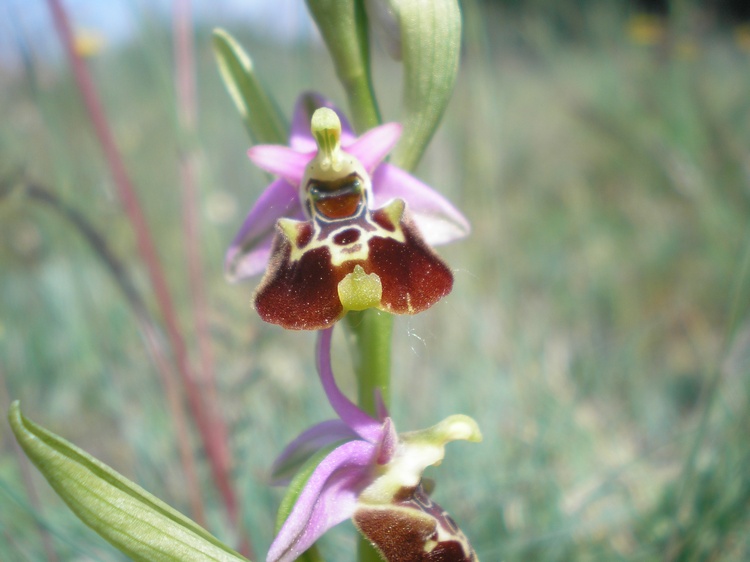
(343, 26)
(359, 88)
(362, 103)
(371, 337)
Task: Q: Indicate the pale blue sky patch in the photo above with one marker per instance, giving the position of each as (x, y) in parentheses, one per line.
(27, 24)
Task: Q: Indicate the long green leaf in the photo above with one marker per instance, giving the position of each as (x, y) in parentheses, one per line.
(262, 118)
(134, 521)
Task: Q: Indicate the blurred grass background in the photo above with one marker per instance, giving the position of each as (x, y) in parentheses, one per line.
(597, 331)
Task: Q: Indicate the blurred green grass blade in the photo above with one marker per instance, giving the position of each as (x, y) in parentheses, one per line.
(134, 521)
(430, 48)
(260, 115)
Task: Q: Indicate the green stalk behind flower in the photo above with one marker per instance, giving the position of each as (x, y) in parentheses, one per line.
(343, 25)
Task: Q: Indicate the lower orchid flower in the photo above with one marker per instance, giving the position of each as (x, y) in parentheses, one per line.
(374, 477)
(341, 230)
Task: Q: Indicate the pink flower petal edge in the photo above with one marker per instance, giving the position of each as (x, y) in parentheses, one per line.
(438, 220)
(250, 250)
(364, 425)
(307, 444)
(328, 498)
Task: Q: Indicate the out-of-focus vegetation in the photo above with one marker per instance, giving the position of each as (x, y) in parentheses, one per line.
(597, 331)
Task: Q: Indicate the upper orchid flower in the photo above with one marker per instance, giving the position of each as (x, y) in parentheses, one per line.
(374, 478)
(334, 229)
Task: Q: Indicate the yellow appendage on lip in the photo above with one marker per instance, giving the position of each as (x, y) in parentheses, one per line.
(359, 290)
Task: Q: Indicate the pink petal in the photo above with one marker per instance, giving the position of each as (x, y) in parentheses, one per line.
(365, 426)
(328, 498)
(249, 251)
(280, 161)
(373, 146)
(301, 138)
(307, 444)
(389, 443)
(438, 220)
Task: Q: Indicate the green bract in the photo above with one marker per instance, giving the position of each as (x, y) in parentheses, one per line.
(134, 521)
(260, 115)
(430, 48)
(343, 25)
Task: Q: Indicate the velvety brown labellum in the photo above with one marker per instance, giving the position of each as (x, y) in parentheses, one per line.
(414, 529)
(300, 288)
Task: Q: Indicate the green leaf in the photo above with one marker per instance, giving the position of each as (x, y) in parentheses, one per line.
(259, 113)
(134, 521)
(430, 48)
(343, 26)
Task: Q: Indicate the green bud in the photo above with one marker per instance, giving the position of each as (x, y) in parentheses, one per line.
(134, 521)
(430, 48)
(262, 118)
(384, 20)
(343, 26)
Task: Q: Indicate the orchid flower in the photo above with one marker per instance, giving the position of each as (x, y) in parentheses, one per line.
(340, 229)
(375, 477)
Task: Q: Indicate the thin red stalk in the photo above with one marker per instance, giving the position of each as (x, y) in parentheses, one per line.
(168, 378)
(172, 392)
(130, 202)
(217, 448)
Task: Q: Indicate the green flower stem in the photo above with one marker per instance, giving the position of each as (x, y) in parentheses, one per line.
(371, 333)
(362, 104)
(360, 92)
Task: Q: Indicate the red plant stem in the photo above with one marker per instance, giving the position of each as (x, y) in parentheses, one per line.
(149, 330)
(217, 447)
(137, 219)
(172, 391)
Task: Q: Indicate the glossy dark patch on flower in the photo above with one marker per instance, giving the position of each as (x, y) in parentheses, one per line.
(349, 236)
(337, 199)
(304, 235)
(414, 529)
